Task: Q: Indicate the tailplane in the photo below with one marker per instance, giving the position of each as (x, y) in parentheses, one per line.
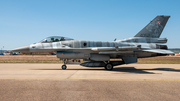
(154, 28)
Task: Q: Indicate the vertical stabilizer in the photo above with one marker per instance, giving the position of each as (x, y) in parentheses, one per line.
(154, 28)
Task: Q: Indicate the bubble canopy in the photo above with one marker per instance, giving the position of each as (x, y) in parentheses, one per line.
(55, 39)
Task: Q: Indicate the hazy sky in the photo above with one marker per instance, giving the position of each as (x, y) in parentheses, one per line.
(23, 22)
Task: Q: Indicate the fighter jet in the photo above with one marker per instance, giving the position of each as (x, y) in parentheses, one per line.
(145, 43)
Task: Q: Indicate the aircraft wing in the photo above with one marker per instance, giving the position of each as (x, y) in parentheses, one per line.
(113, 48)
(161, 51)
(118, 50)
(97, 49)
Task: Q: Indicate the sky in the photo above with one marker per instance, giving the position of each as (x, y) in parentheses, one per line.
(24, 22)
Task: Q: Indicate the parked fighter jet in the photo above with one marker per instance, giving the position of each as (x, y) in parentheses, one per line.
(146, 43)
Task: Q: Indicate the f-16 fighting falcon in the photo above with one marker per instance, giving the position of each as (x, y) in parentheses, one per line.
(146, 43)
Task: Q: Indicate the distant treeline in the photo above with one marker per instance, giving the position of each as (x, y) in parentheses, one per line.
(3, 51)
(175, 50)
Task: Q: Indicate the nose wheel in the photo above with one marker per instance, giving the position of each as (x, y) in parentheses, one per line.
(64, 67)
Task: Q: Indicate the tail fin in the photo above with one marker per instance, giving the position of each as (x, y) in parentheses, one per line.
(154, 28)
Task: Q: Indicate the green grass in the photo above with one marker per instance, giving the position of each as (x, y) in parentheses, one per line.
(30, 61)
(140, 61)
(158, 61)
(54, 59)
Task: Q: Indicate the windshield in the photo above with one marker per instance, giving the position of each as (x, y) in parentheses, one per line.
(55, 39)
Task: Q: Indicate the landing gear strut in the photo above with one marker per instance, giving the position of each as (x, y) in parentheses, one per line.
(108, 66)
(64, 66)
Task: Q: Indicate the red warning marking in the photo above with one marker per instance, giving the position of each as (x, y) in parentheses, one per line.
(62, 54)
(158, 22)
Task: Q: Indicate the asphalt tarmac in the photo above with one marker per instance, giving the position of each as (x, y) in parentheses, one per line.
(125, 82)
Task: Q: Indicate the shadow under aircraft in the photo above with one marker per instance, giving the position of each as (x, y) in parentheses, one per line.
(125, 69)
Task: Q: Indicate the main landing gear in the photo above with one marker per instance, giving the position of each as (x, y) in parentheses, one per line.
(108, 66)
(64, 66)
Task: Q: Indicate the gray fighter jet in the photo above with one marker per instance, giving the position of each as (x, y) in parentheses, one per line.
(146, 43)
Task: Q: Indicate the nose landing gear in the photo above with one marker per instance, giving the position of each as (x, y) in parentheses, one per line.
(64, 66)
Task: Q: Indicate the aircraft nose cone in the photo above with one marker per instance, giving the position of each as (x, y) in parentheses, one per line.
(22, 49)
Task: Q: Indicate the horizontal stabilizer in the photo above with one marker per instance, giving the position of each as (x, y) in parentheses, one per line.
(161, 51)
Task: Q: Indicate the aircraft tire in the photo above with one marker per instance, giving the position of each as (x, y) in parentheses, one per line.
(109, 66)
(64, 67)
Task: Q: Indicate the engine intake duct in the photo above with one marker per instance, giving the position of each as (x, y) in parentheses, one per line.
(162, 47)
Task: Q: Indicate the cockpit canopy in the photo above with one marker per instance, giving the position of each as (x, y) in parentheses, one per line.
(55, 39)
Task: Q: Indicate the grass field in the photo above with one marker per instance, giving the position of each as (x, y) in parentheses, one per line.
(160, 60)
(54, 59)
(29, 59)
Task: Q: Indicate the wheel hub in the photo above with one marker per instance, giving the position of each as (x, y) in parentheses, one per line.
(109, 66)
